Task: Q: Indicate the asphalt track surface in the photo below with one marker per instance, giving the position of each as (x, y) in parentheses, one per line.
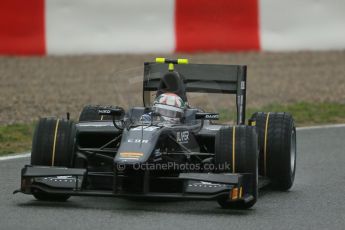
(316, 201)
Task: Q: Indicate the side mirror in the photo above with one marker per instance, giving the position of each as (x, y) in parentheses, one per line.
(207, 116)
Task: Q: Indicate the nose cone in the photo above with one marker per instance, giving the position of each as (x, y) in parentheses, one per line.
(137, 145)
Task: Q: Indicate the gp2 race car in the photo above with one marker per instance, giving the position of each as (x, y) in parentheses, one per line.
(118, 153)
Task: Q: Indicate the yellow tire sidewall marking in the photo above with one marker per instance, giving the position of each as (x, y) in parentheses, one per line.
(233, 148)
(54, 143)
(265, 144)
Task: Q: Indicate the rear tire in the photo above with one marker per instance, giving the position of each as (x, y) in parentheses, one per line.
(53, 145)
(246, 159)
(90, 113)
(277, 157)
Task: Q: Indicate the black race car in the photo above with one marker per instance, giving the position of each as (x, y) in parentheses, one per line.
(117, 153)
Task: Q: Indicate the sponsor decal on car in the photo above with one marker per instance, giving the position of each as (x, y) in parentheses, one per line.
(138, 141)
(212, 116)
(206, 184)
(131, 155)
(102, 111)
(182, 137)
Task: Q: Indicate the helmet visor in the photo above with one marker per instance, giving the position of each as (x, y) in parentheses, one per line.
(168, 111)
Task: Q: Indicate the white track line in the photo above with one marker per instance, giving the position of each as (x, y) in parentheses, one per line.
(321, 127)
(16, 156)
(24, 155)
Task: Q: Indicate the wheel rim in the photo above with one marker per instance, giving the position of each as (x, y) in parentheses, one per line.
(293, 151)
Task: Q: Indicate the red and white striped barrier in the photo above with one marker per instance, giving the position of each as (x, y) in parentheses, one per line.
(39, 27)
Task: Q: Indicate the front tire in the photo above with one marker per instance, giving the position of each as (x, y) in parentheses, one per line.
(277, 144)
(244, 159)
(53, 145)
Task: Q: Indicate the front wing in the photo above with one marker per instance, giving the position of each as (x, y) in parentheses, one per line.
(195, 186)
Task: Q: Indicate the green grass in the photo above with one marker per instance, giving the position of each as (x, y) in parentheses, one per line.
(17, 138)
(304, 113)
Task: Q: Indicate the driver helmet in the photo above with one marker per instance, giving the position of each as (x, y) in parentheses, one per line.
(170, 106)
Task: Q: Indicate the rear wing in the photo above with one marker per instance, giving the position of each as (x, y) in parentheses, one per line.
(202, 78)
